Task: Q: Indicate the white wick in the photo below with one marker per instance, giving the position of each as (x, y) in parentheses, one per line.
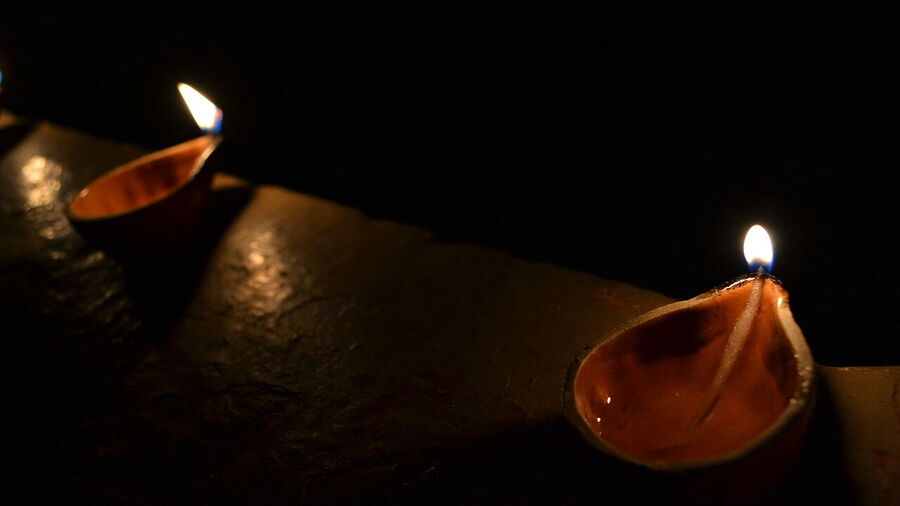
(759, 254)
(733, 347)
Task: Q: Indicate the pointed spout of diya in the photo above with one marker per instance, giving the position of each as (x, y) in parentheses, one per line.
(720, 380)
(158, 200)
(758, 253)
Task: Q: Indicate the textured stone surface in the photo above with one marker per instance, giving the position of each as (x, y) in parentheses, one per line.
(294, 352)
(866, 403)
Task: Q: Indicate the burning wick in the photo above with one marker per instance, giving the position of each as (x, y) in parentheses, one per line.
(758, 252)
(205, 113)
(151, 203)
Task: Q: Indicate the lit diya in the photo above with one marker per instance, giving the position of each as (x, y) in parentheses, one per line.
(723, 378)
(157, 200)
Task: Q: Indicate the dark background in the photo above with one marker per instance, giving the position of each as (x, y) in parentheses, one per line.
(633, 144)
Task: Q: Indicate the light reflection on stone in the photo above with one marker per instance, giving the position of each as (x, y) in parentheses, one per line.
(54, 229)
(40, 189)
(255, 258)
(267, 286)
(41, 182)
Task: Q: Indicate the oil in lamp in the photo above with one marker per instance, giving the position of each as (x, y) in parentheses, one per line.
(720, 384)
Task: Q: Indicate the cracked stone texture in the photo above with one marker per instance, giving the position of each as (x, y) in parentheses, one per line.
(297, 351)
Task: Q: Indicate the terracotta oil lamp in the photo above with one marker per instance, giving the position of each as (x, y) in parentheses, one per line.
(156, 201)
(719, 384)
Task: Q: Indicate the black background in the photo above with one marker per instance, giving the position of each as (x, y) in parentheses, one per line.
(630, 143)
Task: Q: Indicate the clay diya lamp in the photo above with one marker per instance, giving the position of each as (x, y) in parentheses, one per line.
(152, 203)
(643, 394)
(148, 204)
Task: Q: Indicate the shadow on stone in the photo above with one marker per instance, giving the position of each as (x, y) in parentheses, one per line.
(11, 135)
(548, 463)
(539, 463)
(818, 476)
(162, 285)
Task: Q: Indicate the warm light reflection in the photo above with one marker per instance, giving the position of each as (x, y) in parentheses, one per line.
(266, 287)
(205, 113)
(758, 248)
(41, 178)
(40, 187)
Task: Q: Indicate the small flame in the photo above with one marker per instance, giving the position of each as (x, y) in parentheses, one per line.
(205, 113)
(758, 248)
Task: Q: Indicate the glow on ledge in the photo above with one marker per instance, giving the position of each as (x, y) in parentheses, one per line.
(758, 248)
(205, 113)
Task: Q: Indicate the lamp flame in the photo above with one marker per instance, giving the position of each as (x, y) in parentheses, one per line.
(205, 113)
(758, 248)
